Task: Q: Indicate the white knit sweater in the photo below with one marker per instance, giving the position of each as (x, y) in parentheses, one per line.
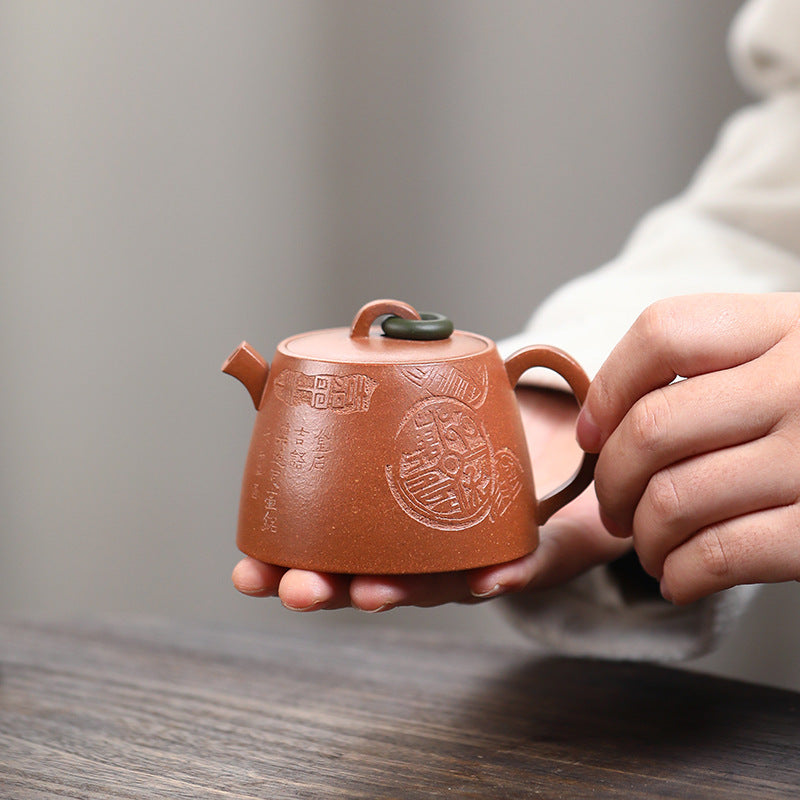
(736, 228)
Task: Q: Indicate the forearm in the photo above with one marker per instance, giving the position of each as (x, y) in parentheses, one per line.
(735, 229)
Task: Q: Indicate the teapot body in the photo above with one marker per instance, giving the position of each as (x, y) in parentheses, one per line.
(394, 454)
(396, 457)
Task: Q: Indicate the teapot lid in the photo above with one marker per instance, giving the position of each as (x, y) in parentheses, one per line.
(409, 337)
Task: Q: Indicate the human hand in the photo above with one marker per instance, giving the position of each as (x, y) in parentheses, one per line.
(703, 473)
(571, 542)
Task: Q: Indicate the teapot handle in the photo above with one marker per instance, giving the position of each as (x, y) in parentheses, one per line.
(371, 311)
(569, 369)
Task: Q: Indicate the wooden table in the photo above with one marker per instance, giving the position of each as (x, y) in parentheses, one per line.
(156, 709)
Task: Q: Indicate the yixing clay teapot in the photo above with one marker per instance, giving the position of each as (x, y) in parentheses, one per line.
(395, 453)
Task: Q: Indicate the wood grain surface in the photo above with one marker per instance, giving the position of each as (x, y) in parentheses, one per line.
(122, 709)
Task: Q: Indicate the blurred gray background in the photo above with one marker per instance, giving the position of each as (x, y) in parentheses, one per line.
(178, 176)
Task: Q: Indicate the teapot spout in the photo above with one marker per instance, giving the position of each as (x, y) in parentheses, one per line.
(247, 366)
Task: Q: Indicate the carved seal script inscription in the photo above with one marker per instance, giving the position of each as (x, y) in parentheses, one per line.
(342, 394)
(446, 473)
(443, 474)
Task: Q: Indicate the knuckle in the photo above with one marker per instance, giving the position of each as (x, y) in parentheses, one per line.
(664, 497)
(655, 324)
(650, 421)
(784, 439)
(715, 556)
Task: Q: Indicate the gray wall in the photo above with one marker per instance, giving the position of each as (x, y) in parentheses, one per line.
(178, 176)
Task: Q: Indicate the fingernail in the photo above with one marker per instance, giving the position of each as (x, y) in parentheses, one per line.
(315, 604)
(257, 592)
(495, 590)
(379, 609)
(587, 431)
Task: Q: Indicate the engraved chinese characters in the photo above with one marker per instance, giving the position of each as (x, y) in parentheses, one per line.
(469, 385)
(344, 394)
(446, 473)
(442, 473)
(294, 450)
(380, 455)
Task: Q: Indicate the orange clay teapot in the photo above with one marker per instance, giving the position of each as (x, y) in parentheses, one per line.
(395, 453)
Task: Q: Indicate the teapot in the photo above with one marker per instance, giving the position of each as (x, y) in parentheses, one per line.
(393, 453)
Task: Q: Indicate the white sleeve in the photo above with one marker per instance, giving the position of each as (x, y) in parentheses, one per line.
(735, 229)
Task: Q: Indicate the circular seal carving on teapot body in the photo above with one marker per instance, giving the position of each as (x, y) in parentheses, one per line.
(443, 473)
